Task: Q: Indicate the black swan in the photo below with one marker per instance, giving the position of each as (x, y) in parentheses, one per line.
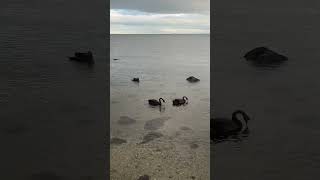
(192, 79)
(136, 80)
(154, 102)
(178, 102)
(224, 127)
(83, 57)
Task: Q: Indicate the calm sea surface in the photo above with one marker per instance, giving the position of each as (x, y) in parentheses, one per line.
(162, 62)
(283, 101)
(53, 111)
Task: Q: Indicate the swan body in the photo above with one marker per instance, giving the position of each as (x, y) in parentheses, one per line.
(155, 102)
(83, 57)
(178, 102)
(224, 127)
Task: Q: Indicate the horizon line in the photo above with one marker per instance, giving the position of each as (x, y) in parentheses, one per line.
(159, 33)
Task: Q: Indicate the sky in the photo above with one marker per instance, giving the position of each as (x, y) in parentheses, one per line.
(160, 16)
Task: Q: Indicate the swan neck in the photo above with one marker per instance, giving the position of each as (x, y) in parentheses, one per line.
(237, 121)
(160, 100)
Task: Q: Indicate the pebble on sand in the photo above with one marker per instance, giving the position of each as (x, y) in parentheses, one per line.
(144, 177)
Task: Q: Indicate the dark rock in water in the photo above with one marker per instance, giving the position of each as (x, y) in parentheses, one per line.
(185, 128)
(126, 120)
(151, 136)
(156, 123)
(192, 79)
(136, 80)
(264, 55)
(144, 177)
(83, 57)
(194, 146)
(117, 141)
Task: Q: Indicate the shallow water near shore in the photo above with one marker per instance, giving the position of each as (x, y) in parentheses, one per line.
(168, 142)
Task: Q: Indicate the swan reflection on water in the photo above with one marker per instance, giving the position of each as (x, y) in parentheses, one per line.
(225, 129)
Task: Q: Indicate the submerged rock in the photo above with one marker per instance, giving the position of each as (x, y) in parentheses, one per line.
(192, 79)
(185, 128)
(264, 55)
(126, 120)
(144, 177)
(194, 146)
(156, 123)
(151, 136)
(117, 141)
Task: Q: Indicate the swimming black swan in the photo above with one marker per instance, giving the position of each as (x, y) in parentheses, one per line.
(154, 102)
(83, 57)
(136, 80)
(178, 102)
(224, 127)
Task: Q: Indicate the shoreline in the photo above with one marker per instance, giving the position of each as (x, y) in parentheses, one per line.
(159, 159)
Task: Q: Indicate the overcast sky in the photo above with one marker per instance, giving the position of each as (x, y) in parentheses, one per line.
(160, 16)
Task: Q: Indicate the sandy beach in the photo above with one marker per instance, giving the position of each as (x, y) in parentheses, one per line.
(160, 159)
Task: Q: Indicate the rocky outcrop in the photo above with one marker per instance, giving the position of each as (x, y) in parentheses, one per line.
(264, 55)
(192, 79)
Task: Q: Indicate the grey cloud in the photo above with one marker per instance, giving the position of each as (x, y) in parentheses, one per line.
(163, 6)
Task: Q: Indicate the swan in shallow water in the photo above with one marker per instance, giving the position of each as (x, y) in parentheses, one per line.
(83, 57)
(136, 80)
(178, 102)
(154, 102)
(224, 127)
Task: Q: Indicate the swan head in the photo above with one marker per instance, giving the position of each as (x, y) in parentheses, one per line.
(244, 115)
(162, 100)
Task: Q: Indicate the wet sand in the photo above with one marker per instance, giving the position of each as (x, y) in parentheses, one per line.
(160, 159)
